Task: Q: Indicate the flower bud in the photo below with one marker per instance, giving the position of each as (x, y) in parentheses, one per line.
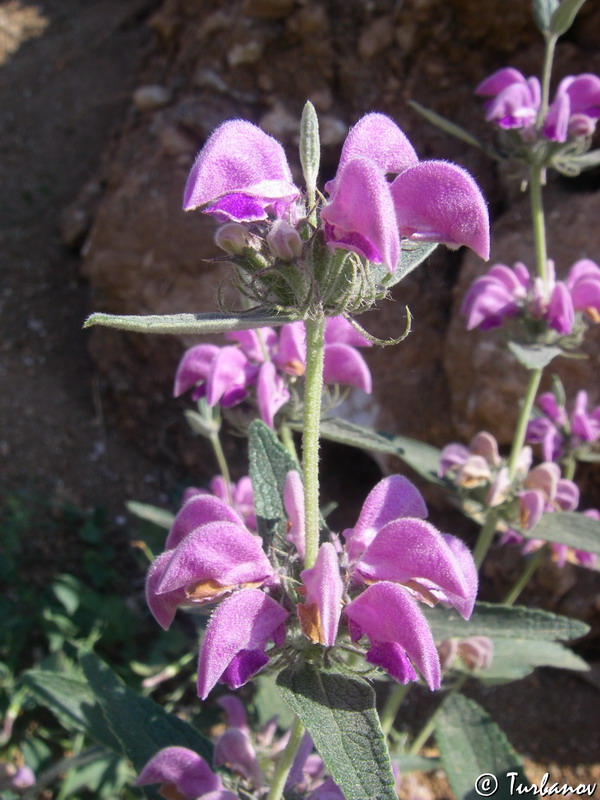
(233, 238)
(476, 652)
(284, 241)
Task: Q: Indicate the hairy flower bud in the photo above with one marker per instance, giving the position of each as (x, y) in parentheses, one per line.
(284, 241)
(233, 238)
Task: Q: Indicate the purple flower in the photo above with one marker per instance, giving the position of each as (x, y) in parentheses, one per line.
(184, 775)
(234, 645)
(398, 633)
(575, 108)
(432, 201)
(514, 100)
(241, 174)
(583, 282)
(220, 374)
(239, 495)
(498, 294)
(559, 433)
(323, 589)
(209, 553)
(402, 558)
(503, 293)
(234, 749)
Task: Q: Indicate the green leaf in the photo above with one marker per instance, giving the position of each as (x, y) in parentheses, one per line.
(141, 726)
(585, 161)
(157, 516)
(73, 702)
(339, 712)
(504, 622)
(533, 356)
(472, 745)
(104, 775)
(413, 256)
(335, 429)
(270, 462)
(453, 129)
(564, 16)
(180, 324)
(421, 457)
(409, 763)
(570, 528)
(523, 638)
(516, 658)
(310, 147)
(542, 13)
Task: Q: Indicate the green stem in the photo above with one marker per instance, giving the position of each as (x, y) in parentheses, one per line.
(536, 181)
(429, 726)
(551, 40)
(532, 565)
(315, 346)
(285, 762)
(485, 539)
(521, 429)
(392, 706)
(221, 461)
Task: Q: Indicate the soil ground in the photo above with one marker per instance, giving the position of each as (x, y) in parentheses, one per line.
(67, 70)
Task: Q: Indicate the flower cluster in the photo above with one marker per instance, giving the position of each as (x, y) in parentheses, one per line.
(480, 473)
(369, 587)
(503, 293)
(183, 774)
(242, 178)
(559, 433)
(265, 361)
(515, 103)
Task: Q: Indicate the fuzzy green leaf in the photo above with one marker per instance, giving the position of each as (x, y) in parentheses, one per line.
(504, 622)
(564, 16)
(73, 702)
(421, 457)
(533, 356)
(413, 255)
(453, 129)
(180, 324)
(140, 725)
(157, 516)
(570, 528)
(523, 638)
(270, 462)
(585, 161)
(339, 712)
(310, 146)
(542, 12)
(472, 745)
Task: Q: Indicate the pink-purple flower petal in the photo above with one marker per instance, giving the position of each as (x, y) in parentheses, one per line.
(241, 174)
(360, 216)
(236, 638)
(437, 201)
(387, 614)
(322, 607)
(393, 497)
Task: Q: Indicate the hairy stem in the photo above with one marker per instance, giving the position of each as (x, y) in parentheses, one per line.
(536, 180)
(532, 565)
(485, 538)
(222, 462)
(521, 429)
(315, 346)
(284, 764)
